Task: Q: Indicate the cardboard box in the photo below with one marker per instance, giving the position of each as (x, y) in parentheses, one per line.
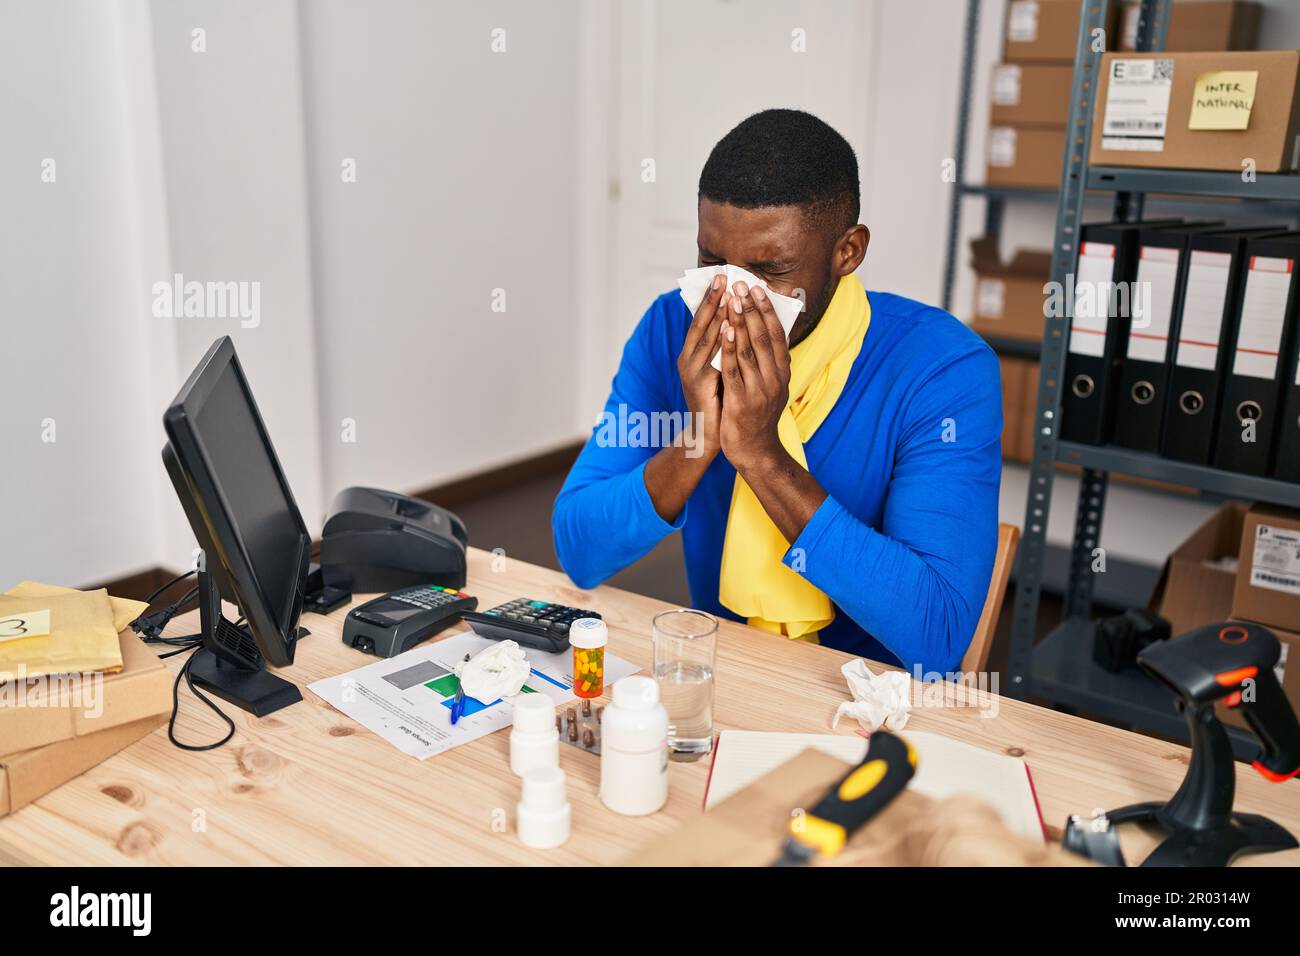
(1038, 30)
(1009, 296)
(1148, 102)
(1030, 94)
(31, 774)
(1019, 398)
(1029, 410)
(1195, 587)
(50, 710)
(1012, 371)
(1268, 569)
(1202, 25)
(1030, 156)
(1198, 584)
(1287, 676)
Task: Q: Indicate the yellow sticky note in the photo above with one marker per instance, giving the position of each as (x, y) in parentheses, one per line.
(1223, 99)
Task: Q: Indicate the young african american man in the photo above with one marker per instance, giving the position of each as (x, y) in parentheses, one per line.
(843, 488)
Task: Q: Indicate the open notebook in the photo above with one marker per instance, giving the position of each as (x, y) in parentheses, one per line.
(944, 768)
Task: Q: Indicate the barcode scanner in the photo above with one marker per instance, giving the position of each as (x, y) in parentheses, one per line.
(1235, 663)
(1231, 662)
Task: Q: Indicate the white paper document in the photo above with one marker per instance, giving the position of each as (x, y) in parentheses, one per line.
(407, 699)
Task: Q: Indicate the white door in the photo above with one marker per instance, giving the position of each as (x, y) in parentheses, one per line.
(690, 70)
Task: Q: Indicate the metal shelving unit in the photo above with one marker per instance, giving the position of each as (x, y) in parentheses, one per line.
(1060, 669)
(995, 198)
(1266, 187)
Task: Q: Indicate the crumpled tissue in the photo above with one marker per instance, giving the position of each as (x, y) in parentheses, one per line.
(494, 672)
(878, 699)
(694, 283)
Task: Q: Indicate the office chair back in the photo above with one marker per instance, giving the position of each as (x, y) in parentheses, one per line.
(977, 655)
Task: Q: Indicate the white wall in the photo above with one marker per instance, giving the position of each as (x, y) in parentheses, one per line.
(222, 164)
(234, 161)
(476, 171)
(466, 163)
(73, 343)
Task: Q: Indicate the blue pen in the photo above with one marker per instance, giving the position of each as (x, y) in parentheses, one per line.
(458, 702)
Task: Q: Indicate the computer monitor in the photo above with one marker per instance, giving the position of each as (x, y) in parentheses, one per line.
(256, 548)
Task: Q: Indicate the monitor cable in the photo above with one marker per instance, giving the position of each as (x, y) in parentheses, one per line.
(150, 627)
(176, 703)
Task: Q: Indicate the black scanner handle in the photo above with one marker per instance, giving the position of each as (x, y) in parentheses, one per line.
(1274, 722)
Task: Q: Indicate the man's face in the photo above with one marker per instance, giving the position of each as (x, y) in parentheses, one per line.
(778, 245)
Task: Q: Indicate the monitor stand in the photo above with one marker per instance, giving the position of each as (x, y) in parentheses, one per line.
(229, 663)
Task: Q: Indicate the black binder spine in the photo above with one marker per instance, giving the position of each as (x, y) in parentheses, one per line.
(1203, 328)
(1252, 394)
(1143, 376)
(1288, 432)
(1096, 338)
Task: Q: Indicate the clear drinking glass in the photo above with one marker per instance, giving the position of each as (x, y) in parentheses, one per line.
(685, 644)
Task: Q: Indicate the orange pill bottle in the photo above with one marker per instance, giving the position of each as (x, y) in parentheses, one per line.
(588, 637)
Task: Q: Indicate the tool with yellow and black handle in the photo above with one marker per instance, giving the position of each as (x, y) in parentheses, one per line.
(862, 793)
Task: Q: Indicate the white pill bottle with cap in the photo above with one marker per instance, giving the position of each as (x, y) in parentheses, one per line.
(534, 741)
(634, 749)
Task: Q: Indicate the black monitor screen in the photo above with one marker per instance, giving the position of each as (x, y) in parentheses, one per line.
(237, 499)
(263, 518)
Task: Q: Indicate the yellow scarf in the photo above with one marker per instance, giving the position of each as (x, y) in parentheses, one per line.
(754, 583)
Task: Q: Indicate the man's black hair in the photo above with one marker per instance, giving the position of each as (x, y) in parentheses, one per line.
(785, 158)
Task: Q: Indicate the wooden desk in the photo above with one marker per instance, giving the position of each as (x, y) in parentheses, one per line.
(309, 786)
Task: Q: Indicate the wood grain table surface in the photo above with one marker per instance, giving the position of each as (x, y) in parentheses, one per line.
(308, 785)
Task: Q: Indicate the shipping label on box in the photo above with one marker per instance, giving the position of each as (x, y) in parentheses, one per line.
(1137, 104)
(1275, 563)
(990, 299)
(1022, 21)
(1002, 146)
(1006, 84)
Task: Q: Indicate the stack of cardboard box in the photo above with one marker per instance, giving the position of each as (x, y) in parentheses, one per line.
(1019, 403)
(1242, 564)
(1009, 305)
(1030, 92)
(54, 729)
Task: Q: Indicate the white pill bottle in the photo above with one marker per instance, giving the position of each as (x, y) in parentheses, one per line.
(634, 749)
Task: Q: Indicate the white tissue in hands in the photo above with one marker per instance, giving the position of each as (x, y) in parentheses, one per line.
(878, 699)
(694, 284)
(494, 672)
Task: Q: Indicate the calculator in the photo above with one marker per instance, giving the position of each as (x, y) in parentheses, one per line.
(396, 622)
(536, 624)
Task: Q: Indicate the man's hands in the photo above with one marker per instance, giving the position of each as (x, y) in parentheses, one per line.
(672, 475)
(736, 412)
(755, 391)
(701, 382)
(755, 379)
